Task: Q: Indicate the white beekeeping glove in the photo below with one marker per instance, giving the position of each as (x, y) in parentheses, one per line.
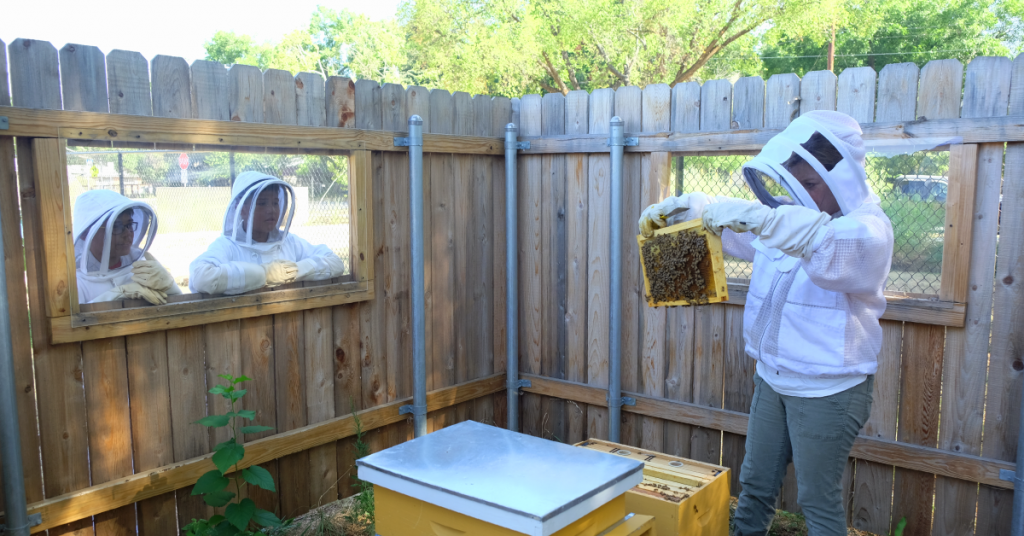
(740, 216)
(794, 230)
(657, 215)
(151, 274)
(133, 291)
(280, 272)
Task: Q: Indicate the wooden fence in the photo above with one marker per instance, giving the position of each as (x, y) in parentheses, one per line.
(114, 407)
(686, 366)
(930, 390)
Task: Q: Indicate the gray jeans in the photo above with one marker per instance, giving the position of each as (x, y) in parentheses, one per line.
(816, 434)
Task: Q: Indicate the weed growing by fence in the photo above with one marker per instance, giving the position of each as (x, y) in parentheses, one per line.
(240, 516)
(362, 514)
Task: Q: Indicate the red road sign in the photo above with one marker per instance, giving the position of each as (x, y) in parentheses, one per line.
(183, 161)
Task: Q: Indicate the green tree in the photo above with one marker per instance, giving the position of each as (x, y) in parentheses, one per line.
(336, 42)
(514, 46)
(879, 32)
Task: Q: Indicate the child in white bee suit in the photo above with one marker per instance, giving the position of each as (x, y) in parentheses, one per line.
(256, 249)
(821, 248)
(118, 230)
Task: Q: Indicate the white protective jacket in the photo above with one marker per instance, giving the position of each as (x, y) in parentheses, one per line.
(818, 316)
(98, 209)
(233, 262)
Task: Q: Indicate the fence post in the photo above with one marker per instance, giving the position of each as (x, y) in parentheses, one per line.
(419, 356)
(511, 278)
(10, 439)
(615, 145)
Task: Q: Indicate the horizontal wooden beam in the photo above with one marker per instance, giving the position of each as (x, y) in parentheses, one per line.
(899, 308)
(122, 492)
(33, 123)
(981, 130)
(905, 455)
(87, 326)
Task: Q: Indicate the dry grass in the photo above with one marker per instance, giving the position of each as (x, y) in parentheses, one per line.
(788, 524)
(339, 518)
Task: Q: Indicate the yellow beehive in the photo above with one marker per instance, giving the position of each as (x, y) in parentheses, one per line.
(686, 497)
(711, 268)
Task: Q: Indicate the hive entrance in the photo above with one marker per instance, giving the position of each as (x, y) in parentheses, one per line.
(678, 267)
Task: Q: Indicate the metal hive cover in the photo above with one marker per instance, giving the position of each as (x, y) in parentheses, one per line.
(520, 482)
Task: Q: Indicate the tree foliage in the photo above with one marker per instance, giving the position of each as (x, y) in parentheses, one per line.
(878, 33)
(513, 47)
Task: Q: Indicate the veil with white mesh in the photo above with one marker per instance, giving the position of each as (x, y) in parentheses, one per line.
(96, 214)
(769, 178)
(238, 225)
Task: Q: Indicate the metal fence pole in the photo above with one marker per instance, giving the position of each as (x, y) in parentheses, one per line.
(419, 356)
(512, 278)
(615, 146)
(10, 439)
(120, 170)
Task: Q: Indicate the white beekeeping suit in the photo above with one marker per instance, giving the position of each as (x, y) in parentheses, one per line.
(816, 292)
(241, 260)
(112, 227)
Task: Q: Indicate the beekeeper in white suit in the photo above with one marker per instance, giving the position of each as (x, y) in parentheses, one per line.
(256, 249)
(821, 248)
(111, 227)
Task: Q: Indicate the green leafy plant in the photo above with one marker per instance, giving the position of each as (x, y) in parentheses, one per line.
(241, 517)
(361, 516)
(900, 526)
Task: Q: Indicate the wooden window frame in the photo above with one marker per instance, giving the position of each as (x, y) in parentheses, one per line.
(948, 307)
(69, 323)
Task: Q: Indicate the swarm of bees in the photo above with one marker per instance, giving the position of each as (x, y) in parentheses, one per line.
(673, 264)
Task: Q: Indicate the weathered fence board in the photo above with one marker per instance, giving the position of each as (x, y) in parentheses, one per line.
(553, 253)
(628, 107)
(531, 295)
(576, 225)
(83, 76)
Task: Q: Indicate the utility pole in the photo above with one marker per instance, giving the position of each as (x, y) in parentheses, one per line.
(832, 50)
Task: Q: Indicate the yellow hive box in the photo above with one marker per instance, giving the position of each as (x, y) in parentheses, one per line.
(404, 515)
(712, 267)
(686, 497)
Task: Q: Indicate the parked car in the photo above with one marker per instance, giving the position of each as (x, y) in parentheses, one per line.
(928, 187)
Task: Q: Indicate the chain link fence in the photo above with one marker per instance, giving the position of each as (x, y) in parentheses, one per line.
(189, 191)
(912, 189)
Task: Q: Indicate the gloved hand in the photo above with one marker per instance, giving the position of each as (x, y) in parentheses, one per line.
(280, 272)
(794, 230)
(740, 216)
(657, 215)
(136, 291)
(151, 274)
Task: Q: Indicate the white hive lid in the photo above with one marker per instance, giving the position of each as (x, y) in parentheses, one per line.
(512, 480)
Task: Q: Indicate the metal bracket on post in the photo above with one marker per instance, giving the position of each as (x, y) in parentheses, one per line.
(518, 384)
(33, 520)
(628, 142)
(623, 401)
(522, 145)
(402, 142)
(4, 123)
(413, 410)
(1010, 476)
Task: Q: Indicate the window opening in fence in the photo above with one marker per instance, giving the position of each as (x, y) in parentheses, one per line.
(912, 189)
(189, 192)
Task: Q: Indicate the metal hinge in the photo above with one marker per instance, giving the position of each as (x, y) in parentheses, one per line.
(4, 123)
(402, 142)
(522, 145)
(37, 518)
(1009, 476)
(627, 142)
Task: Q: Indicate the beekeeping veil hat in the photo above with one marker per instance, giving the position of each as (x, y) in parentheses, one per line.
(768, 177)
(239, 216)
(96, 212)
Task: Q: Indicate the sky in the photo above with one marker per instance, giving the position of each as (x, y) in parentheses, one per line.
(176, 28)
